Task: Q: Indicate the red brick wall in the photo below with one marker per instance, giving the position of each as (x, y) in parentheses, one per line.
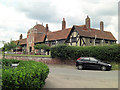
(44, 60)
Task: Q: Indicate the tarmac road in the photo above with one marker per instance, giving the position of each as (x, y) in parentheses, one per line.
(64, 76)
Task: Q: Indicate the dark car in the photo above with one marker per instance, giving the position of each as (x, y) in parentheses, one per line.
(92, 63)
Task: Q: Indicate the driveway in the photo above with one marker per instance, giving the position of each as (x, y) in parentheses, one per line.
(64, 76)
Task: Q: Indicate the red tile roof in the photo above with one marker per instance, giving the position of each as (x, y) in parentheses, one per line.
(83, 31)
(39, 37)
(63, 34)
(23, 41)
(39, 28)
(16, 42)
(20, 42)
(60, 34)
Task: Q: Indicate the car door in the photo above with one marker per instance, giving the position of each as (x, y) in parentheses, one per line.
(86, 62)
(94, 63)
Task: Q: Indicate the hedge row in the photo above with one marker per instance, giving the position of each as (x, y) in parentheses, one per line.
(104, 53)
(29, 74)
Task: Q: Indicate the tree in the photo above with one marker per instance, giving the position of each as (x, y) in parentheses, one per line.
(42, 46)
(8, 46)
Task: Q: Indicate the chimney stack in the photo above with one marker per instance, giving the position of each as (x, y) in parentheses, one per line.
(47, 28)
(21, 36)
(101, 26)
(63, 24)
(87, 22)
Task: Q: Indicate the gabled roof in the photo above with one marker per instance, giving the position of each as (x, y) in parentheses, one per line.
(39, 28)
(20, 42)
(23, 41)
(83, 31)
(39, 37)
(57, 35)
(16, 42)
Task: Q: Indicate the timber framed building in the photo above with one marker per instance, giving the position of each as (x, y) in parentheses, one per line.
(77, 35)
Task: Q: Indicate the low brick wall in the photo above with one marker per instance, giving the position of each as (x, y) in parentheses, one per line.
(42, 59)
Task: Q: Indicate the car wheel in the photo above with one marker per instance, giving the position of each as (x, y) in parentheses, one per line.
(103, 68)
(80, 67)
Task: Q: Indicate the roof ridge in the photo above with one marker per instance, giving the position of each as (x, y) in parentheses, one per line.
(59, 30)
(99, 30)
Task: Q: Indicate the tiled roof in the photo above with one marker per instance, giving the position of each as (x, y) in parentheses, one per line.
(60, 34)
(39, 37)
(83, 31)
(23, 41)
(39, 28)
(16, 42)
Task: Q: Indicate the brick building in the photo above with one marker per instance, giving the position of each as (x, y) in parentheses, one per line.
(77, 35)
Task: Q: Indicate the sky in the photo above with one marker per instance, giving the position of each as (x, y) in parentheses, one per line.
(18, 16)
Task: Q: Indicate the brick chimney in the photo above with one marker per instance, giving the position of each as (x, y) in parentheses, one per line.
(101, 26)
(63, 24)
(47, 28)
(87, 22)
(21, 36)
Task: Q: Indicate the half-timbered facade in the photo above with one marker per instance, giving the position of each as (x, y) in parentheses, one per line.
(77, 35)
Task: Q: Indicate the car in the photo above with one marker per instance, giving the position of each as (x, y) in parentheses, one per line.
(92, 63)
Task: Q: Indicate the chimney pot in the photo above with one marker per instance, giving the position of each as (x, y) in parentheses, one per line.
(63, 24)
(87, 22)
(102, 26)
(21, 36)
(47, 28)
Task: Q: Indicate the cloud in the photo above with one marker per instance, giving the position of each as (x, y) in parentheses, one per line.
(13, 23)
(17, 16)
(41, 10)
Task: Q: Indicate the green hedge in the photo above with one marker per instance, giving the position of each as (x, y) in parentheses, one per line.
(104, 53)
(29, 74)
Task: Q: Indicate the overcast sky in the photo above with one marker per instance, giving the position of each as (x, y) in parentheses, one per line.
(17, 16)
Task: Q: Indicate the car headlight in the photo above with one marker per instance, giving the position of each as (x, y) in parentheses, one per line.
(109, 65)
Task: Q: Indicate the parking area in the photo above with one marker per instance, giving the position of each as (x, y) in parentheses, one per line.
(66, 76)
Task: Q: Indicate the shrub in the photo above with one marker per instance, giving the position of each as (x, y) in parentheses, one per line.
(29, 74)
(104, 53)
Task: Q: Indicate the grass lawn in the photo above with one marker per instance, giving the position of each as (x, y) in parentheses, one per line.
(28, 55)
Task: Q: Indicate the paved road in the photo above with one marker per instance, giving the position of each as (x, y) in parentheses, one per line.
(63, 76)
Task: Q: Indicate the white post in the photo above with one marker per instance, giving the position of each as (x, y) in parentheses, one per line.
(95, 39)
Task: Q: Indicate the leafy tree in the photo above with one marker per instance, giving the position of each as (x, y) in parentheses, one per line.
(42, 46)
(8, 46)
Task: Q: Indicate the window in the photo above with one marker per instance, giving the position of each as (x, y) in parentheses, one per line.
(111, 42)
(61, 41)
(86, 59)
(93, 60)
(74, 34)
(73, 39)
(106, 41)
(97, 41)
(90, 40)
(46, 42)
(53, 43)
